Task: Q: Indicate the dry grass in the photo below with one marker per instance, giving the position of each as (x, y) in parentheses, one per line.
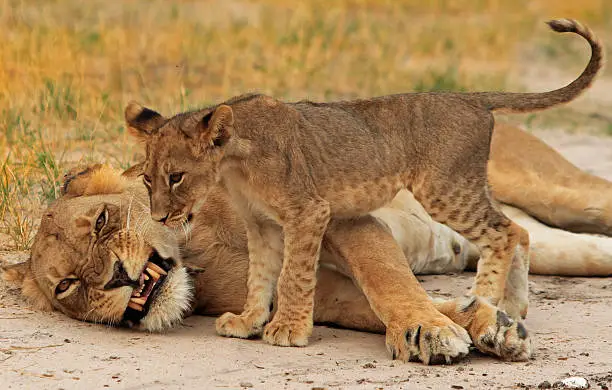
(67, 68)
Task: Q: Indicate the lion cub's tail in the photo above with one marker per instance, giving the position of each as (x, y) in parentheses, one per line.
(523, 102)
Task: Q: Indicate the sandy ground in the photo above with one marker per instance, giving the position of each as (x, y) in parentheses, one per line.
(570, 320)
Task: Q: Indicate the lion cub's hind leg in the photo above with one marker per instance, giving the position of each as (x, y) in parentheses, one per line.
(492, 330)
(516, 294)
(467, 209)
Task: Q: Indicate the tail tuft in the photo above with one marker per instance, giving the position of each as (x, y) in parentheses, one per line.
(565, 25)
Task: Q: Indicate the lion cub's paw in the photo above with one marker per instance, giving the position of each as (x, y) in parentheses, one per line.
(503, 337)
(241, 326)
(287, 333)
(428, 343)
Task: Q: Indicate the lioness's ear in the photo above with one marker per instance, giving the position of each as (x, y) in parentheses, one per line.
(93, 180)
(216, 128)
(21, 275)
(15, 273)
(141, 121)
(134, 171)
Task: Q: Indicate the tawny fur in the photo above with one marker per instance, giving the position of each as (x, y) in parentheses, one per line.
(217, 250)
(289, 168)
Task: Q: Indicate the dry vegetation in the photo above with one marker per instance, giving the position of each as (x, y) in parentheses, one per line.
(67, 68)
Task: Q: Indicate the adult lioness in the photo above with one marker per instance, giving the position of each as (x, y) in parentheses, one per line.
(291, 168)
(98, 257)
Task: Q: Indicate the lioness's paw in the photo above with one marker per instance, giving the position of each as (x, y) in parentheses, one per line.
(232, 325)
(504, 337)
(287, 333)
(428, 343)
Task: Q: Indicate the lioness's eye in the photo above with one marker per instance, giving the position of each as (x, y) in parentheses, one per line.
(63, 286)
(101, 221)
(175, 178)
(146, 179)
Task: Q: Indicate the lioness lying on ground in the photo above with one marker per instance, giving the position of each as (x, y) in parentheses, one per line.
(99, 233)
(296, 171)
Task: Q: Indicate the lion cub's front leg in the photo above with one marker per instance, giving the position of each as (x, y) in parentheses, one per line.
(292, 324)
(265, 259)
(293, 321)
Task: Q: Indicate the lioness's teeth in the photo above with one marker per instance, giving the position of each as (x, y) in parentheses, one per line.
(140, 301)
(154, 274)
(146, 277)
(134, 305)
(156, 268)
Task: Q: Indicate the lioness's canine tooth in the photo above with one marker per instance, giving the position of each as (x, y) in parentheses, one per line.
(134, 305)
(157, 268)
(146, 277)
(154, 274)
(140, 301)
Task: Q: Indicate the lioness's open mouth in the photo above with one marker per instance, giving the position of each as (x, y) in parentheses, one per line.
(151, 279)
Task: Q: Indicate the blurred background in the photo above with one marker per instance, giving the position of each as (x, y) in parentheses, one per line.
(68, 68)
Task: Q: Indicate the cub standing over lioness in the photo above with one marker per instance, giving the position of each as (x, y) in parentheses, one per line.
(290, 167)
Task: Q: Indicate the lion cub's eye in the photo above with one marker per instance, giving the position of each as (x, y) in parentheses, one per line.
(175, 178)
(63, 286)
(101, 221)
(146, 180)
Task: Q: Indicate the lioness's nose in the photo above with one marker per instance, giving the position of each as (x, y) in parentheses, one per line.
(160, 218)
(120, 278)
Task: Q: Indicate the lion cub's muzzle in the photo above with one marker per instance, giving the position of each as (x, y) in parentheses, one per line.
(146, 288)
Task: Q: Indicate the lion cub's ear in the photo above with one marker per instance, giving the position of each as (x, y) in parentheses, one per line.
(142, 121)
(21, 275)
(215, 128)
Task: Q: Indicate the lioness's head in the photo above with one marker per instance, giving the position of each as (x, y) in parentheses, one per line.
(182, 157)
(98, 257)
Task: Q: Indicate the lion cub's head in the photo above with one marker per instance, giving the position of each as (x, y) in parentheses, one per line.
(182, 157)
(98, 257)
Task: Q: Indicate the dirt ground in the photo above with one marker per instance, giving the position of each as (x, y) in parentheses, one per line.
(570, 320)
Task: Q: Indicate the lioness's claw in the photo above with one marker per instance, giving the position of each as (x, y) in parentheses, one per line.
(429, 344)
(504, 337)
(232, 325)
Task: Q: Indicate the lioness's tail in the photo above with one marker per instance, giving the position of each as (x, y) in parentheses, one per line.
(523, 102)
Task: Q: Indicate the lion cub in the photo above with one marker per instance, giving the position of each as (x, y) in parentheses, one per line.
(290, 167)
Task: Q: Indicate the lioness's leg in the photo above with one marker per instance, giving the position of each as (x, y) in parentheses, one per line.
(491, 329)
(415, 329)
(527, 173)
(339, 301)
(383, 273)
(265, 260)
(303, 230)
(558, 252)
(503, 244)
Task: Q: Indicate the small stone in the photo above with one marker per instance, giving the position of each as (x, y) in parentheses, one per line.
(575, 382)
(545, 385)
(369, 365)
(246, 384)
